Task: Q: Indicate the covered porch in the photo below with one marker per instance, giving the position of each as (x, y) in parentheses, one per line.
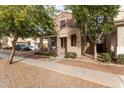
(48, 43)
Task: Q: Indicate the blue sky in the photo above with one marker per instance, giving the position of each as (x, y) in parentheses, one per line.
(59, 7)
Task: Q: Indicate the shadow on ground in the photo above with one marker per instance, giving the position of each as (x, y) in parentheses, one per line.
(18, 60)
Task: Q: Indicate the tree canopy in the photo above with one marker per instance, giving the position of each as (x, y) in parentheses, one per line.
(22, 21)
(94, 21)
(26, 21)
(88, 14)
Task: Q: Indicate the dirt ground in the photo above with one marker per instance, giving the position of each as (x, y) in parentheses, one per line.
(25, 76)
(27, 54)
(95, 66)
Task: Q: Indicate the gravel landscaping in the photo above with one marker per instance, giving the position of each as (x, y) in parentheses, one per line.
(22, 75)
(27, 54)
(96, 66)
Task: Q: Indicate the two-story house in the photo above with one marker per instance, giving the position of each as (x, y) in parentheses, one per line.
(68, 36)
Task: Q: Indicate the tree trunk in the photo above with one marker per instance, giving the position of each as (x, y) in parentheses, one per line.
(95, 50)
(0, 45)
(84, 39)
(13, 49)
(85, 47)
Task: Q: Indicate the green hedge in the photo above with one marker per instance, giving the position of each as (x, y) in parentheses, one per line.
(120, 59)
(41, 53)
(106, 57)
(70, 55)
(54, 54)
(46, 53)
(8, 48)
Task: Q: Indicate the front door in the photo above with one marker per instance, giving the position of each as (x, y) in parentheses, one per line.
(64, 44)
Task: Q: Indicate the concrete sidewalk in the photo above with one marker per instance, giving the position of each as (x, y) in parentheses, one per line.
(103, 78)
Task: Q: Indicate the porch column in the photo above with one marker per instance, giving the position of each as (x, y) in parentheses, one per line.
(41, 44)
(49, 44)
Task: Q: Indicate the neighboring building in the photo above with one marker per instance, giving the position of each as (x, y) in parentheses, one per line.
(117, 38)
(7, 42)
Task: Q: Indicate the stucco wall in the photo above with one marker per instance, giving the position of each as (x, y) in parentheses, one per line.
(77, 48)
(67, 31)
(113, 42)
(120, 40)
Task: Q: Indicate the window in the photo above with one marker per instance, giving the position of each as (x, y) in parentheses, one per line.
(73, 40)
(100, 19)
(62, 23)
(53, 43)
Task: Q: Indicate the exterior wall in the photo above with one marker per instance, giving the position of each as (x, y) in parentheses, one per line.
(67, 31)
(120, 15)
(68, 18)
(113, 42)
(120, 40)
(77, 48)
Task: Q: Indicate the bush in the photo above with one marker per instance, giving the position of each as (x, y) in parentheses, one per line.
(70, 55)
(120, 59)
(106, 57)
(54, 54)
(41, 53)
(8, 48)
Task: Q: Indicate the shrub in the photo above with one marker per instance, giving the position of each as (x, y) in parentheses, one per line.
(41, 53)
(120, 59)
(70, 55)
(106, 57)
(54, 54)
(8, 48)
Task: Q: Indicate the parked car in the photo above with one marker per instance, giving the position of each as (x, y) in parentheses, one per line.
(26, 48)
(32, 47)
(20, 47)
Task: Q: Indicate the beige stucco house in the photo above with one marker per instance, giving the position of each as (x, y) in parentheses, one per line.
(117, 37)
(68, 36)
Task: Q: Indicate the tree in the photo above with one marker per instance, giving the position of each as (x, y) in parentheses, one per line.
(94, 22)
(1, 37)
(23, 22)
(50, 9)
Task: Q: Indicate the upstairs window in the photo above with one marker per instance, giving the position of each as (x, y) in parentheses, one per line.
(62, 23)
